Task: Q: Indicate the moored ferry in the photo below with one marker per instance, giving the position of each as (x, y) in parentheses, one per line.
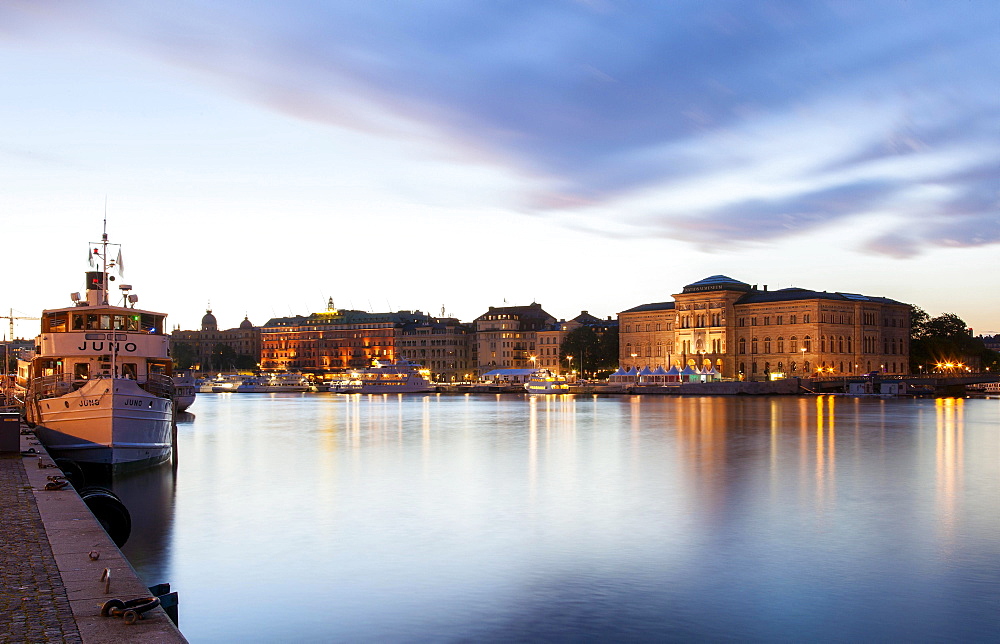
(544, 381)
(401, 376)
(274, 383)
(97, 385)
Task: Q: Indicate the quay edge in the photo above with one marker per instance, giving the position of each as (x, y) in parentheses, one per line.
(74, 534)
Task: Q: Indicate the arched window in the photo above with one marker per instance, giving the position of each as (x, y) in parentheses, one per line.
(753, 347)
(840, 345)
(807, 343)
(781, 345)
(822, 344)
(743, 347)
(767, 344)
(793, 344)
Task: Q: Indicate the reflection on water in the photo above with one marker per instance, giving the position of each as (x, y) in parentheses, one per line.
(569, 518)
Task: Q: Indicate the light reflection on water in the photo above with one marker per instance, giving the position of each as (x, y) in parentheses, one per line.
(320, 517)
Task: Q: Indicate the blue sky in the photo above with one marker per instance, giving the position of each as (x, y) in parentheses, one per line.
(586, 155)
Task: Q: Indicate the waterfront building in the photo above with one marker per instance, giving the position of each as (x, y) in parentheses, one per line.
(334, 340)
(741, 331)
(507, 336)
(444, 346)
(204, 348)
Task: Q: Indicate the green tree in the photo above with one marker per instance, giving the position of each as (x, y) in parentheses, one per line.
(918, 322)
(184, 356)
(593, 353)
(223, 357)
(945, 339)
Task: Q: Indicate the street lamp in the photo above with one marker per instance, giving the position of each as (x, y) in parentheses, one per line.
(569, 359)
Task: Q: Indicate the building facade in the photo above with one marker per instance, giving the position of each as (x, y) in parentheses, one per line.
(334, 341)
(745, 332)
(444, 346)
(507, 337)
(242, 342)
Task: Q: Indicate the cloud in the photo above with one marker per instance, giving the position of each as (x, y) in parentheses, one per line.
(604, 101)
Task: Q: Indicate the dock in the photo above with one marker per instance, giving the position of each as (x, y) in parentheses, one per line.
(59, 566)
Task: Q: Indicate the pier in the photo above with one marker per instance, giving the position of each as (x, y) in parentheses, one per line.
(59, 565)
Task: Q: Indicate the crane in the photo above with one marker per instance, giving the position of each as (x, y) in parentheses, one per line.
(13, 317)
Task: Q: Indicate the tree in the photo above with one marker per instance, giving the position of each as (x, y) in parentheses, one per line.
(223, 357)
(592, 352)
(184, 356)
(946, 339)
(918, 322)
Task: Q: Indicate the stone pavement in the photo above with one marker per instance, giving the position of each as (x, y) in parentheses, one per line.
(53, 554)
(34, 606)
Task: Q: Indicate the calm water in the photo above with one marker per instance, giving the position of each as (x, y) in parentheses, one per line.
(321, 517)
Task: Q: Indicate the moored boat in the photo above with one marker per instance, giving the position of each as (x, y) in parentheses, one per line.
(98, 385)
(274, 383)
(184, 391)
(544, 381)
(401, 376)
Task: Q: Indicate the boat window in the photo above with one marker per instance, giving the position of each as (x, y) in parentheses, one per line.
(105, 321)
(77, 321)
(129, 370)
(92, 322)
(133, 322)
(119, 323)
(57, 322)
(81, 371)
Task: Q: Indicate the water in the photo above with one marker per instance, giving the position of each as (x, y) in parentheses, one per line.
(321, 517)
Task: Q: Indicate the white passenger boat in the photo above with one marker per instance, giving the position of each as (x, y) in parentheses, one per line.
(274, 383)
(401, 376)
(544, 381)
(98, 385)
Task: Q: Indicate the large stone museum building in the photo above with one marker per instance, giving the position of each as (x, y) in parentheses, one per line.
(756, 334)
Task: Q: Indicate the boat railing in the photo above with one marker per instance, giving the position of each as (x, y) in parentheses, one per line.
(159, 385)
(61, 384)
(53, 386)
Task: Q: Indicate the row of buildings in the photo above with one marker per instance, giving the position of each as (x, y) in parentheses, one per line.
(740, 330)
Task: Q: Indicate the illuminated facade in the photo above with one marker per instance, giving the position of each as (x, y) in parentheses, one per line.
(756, 334)
(507, 337)
(333, 341)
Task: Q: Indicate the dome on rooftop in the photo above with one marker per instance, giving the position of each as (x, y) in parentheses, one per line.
(246, 323)
(208, 322)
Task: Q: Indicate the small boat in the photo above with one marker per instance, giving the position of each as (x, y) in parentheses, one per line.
(274, 383)
(184, 391)
(544, 381)
(98, 387)
(400, 377)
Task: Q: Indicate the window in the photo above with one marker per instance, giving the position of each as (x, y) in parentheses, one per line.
(781, 345)
(767, 345)
(807, 343)
(753, 345)
(791, 319)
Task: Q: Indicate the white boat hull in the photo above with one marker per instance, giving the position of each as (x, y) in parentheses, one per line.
(110, 422)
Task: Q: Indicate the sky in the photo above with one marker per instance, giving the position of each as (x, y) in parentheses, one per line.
(260, 157)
